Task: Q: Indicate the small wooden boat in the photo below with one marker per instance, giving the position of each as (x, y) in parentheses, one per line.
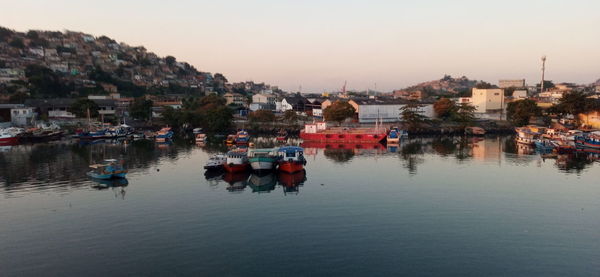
(474, 131)
(201, 138)
(230, 139)
(282, 135)
(165, 134)
(395, 134)
(108, 169)
(242, 137)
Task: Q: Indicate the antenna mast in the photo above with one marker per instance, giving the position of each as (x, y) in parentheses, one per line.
(543, 71)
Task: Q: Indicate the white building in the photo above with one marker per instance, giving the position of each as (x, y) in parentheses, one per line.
(22, 116)
(518, 83)
(486, 100)
(264, 98)
(520, 94)
(370, 110)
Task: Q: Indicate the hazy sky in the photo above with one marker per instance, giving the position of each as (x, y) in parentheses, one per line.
(319, 44)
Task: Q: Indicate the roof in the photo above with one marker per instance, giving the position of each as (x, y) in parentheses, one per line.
(365, 101)
(295, 99)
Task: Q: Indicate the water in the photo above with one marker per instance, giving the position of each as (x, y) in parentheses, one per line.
(427, 207)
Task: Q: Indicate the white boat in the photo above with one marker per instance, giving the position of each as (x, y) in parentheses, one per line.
(216, 162)
(201, 138)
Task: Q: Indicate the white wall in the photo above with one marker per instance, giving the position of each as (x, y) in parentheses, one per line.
(487, 99)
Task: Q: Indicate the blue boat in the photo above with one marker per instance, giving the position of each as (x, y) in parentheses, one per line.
(242, 137)
(108, 169)
(591, 140)
(164, 135)
(544, 145)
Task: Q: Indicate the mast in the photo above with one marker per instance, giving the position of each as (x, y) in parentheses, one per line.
(543, 72)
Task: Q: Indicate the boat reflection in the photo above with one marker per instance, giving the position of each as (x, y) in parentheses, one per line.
(237, 181)
(100, 184)
(260, 183)
(291, 182)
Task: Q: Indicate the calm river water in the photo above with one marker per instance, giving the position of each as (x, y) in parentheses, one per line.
(429, 206)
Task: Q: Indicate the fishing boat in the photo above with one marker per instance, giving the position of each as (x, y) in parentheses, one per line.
(216, 162)
(393, 136)
(108, 169)
(291, 159)
(242, 137)
(201, 138)
(262, 159)
(474, 131)
(7, 137)
(197, 131)
(230, 139)
(165, 134)
(282, 135)
(545, 145)
(236, 161)
(526, 136)
(321, 133)
(591, 140)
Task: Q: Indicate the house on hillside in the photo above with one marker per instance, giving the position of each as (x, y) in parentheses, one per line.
(235, 99)
(294, 102)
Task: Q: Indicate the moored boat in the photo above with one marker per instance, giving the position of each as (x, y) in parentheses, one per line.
(474, 131)
(216, 162)
(393, 136)
(108, 169)
(291, 159)
(545, 145)
(7, 138)
(591, 140)
(230, 139)
(282, 135)
(242, 137)
(201, 138)
(165, 134)
(262, 159)
(321, 133)
(526, 136)
(236, 161)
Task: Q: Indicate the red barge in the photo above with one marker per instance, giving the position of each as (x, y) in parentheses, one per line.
(319, 132)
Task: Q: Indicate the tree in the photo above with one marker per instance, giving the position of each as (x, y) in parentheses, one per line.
(141, 108)
(81, 106)
(465, 114)
(444, 108)
(339, 111)
(190, 103)
(212, 99)
(170, 60)
(572, 103)
(261, 116)
(520, 112)
(412, 115)
(290, 117)
(17, 43)
(483, 85)
(216, 118)
(44, 82)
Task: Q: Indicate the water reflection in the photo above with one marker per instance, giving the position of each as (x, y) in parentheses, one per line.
(265, 182)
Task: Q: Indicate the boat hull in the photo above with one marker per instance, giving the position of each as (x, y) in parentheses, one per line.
(236, 167)
(9, 140)
(262, 165)
(106, 176)
(343, 137)
(290, 167)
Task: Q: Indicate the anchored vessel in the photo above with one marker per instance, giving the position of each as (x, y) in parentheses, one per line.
(108, 169)
(262, 159)
(236, 161)
(242, 137)
(216, 162)
(291, 159)
(320, 132)
(164, 135)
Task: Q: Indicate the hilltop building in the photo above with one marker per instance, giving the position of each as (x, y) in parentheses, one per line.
(488, 100)
(517, 83)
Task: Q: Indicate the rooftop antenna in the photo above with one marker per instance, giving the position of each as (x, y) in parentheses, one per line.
(344, 88)
(543, 71)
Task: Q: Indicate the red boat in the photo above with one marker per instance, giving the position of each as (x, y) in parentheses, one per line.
(291, 159)
(237, 161)
(320, 132)
(349, 146)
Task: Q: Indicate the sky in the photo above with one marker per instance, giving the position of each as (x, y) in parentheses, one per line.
(316, 46)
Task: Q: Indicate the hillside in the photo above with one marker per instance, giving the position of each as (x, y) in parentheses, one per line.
(40, 64)
(446, 86)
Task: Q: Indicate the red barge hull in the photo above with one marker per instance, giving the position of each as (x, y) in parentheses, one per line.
(290, 167)
(236, 167)
(349, 137)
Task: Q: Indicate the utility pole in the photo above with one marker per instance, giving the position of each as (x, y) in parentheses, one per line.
(543, 71)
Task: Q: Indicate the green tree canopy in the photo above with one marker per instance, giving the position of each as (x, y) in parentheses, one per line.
(572, 103)
(412, 115)
(170, 60)
(520, 112)
(339, 111)
(141, 108)
(444, 108)
(44, 82)
(464, 113)
(261, 116)
(81, 106)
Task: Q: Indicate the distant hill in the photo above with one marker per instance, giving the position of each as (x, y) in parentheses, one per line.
(446, 86)
(38, 64)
